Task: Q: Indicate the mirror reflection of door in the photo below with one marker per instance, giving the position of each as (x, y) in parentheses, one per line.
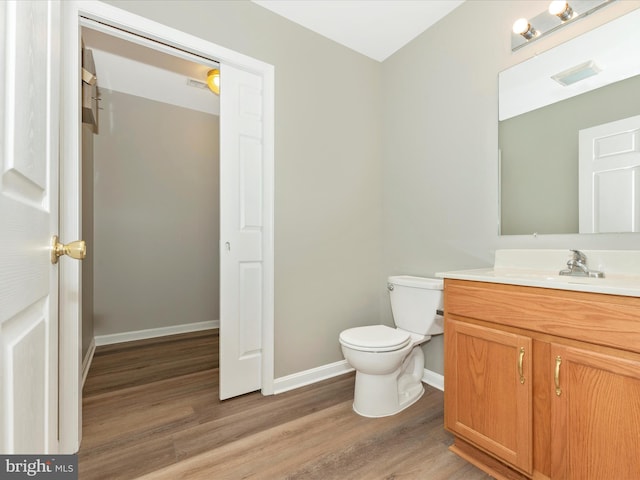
(609, 173)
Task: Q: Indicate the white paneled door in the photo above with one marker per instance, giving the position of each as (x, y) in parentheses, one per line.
(609, 177)
(29, 96)
(241, 232)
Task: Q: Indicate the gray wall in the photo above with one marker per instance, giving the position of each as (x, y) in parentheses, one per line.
(156, 215)
(327, 172)
(441, 144)
(380, 168)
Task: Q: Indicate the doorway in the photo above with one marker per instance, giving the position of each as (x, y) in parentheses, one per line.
(150, 195)
(248, 86)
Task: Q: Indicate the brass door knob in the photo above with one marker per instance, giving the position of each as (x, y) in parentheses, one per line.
(77, 249)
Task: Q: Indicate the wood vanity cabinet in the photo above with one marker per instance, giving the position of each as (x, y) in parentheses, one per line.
(542, 383)
(488, 390)
(595, 416)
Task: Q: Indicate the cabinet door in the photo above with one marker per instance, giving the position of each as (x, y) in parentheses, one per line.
(488, 386)
(595, 415)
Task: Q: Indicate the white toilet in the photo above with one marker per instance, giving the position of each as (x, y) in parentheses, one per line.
(389, 362)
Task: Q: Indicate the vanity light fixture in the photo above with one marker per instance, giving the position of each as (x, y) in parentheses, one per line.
(524, 28)
(558, 14)
(561, 9)
(213, 80)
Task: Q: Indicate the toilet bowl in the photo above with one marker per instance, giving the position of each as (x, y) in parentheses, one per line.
(389, 362)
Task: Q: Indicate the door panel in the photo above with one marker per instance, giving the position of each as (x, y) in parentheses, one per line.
(251, 184)
(596, 416)
(488, 385)
(29, 215)
(241, 232)
(609, 177)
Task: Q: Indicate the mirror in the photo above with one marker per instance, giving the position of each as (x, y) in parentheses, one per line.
(547, 104)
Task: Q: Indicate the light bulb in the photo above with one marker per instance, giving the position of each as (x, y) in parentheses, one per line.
(213, 80)
(520, 26)
(557, 7)
(561, 9)
(524, 28)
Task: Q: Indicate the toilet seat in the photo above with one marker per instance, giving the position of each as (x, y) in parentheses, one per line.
(375, 338)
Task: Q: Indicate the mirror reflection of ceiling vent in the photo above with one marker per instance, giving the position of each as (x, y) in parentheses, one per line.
(192, 82)
(577, 73)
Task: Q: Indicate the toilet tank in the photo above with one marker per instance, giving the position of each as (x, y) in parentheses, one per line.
(414, 302)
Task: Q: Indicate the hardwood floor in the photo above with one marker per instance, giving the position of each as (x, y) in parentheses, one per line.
(151, 411)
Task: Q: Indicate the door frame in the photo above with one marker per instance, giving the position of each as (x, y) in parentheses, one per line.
(70, 191)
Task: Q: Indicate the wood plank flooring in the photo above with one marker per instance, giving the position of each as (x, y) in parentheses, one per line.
(151, 411)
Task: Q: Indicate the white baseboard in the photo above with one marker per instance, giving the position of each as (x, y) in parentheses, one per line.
(434, 379)
(86, 361)
(155, 332)
(307, 377)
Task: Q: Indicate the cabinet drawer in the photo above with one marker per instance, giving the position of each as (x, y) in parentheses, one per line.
(609, 320)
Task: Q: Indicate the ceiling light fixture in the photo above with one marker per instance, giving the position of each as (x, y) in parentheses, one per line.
(561, 9)
(213, 80)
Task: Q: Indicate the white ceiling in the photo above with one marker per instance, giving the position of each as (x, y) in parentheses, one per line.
(375, 28)
(134, 69)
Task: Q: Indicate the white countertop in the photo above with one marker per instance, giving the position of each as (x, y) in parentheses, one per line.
(627, 285)
(535, 268)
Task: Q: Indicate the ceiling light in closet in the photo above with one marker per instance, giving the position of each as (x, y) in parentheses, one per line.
(213, 80)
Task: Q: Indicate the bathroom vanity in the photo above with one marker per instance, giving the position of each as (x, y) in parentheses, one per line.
(542, 374)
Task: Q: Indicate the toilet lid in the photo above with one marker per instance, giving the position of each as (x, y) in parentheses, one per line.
(375, 338)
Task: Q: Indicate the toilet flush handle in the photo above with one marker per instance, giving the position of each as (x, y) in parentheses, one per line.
(390, 287)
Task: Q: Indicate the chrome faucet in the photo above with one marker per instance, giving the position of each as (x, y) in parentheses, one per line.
(577, 267)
